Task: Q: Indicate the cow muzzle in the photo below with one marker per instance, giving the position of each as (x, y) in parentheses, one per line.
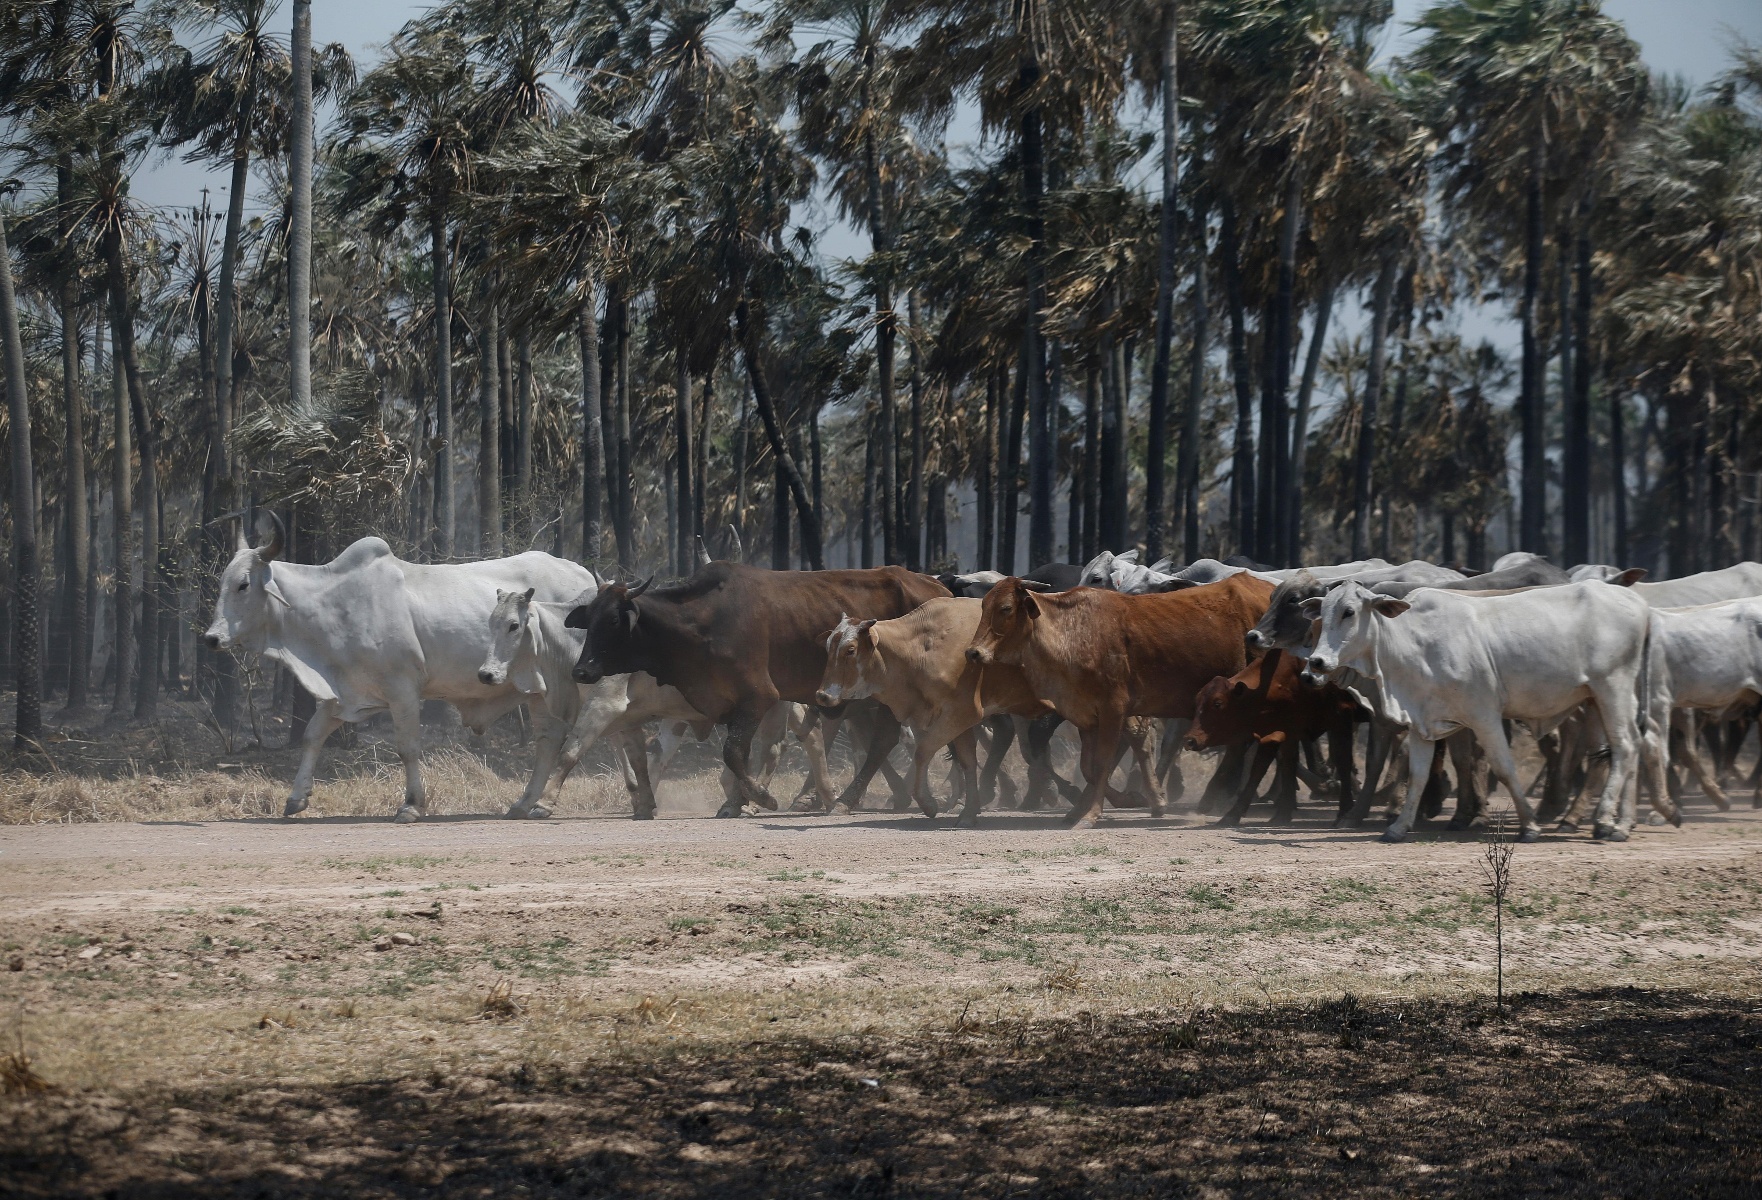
(1255, 639)
(488, 676)
(826, 698)
(586, 673)
(211, 640)
(979, 654)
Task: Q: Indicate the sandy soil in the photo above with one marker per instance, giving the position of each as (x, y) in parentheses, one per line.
(328, 967)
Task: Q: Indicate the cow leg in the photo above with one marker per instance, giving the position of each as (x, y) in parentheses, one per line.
(1431, 801)
(1285, 783)
(742, 724)
(1035, 738)
(1226, 780)
(883, 737)
(320, 726)
(1618, 711)
(1142, 738)
(1313, 769)
(633, 746)
(1248, 782)
(407, 740)
(1340, 739)
(1003, 736)
(1100, 746)
(1682, 723)
(1465, 757)
(1420, 753)
(1381, 740)
(804, 722)
(551, 732)
(1168, 756)
(1491, 735)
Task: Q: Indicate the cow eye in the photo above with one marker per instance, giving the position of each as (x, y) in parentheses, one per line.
(1348, 613)
(245, 586)
(1006, 610)
(513, 626)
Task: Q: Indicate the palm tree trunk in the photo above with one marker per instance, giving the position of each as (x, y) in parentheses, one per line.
(300, 225)
(226, 303)
(1618, 471)
(1324, 307)
(1109, 528)
(1156, 451)
(27, 579)
(123, 532)
(443, 378)
(1533, 513)
(1042, 465)
(815, 469)
(1576, 475)
(1284, 324)
(1009, 483)
(914, 505)
(888, 422)
(1091, 469)
(870, 467)
(743, 456)
(751, 341)
(1381, 298)
(1187, 468)
(74, 457)
(489, 431)
(984, 473)
(682, 460)
(1266, 498)
(593, 445)
(1242, 474)
(523, 417)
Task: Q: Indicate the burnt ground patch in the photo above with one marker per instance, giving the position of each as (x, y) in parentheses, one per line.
(1612, 1092)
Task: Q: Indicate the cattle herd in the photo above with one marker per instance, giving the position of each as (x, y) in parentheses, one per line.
(1621, 681)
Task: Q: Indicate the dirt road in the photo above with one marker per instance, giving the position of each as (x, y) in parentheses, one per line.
(345, 952)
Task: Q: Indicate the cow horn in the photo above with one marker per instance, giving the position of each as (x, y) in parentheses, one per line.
(277, 540)
(703, 552)
(640, 588)
(734, 536)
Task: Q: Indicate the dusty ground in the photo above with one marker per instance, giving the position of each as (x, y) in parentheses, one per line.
(866, 1005)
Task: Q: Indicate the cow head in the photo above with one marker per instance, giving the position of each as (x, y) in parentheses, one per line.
(242, 613)
(1284, 626)
(1219, 714)
(1009, 611)
(850, 648)
(611, 619)
(1349, 617)
(1098, 573)
(509, 643)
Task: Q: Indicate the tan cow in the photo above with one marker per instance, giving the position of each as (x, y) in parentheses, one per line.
(917, 666)
(1100, 658)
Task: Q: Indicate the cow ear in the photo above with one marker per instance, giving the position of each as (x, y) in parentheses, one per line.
(1175, 585)
(1630, 577)
(864, 628)
(1390, 607)
(1311, 607)
(1239, 688)
(577, 618)
(1034, 585)
(631, 616)
(1031, 606)
(527, 598)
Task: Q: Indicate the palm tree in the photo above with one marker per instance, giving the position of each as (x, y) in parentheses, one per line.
(409, 150)
(27, 578)
(300, 231)
(1535, 93)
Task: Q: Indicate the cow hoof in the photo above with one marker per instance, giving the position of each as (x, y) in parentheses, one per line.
(1566, 827)
(1531, 834)
(1158, 813)
(407, 815)
(1609, 833)
(516, 812)
(537, 812)
(1083, 822)
(643, 814)
(929, 810)
(293, 807)
(968, 821)
(1393, 835)
(1676, 818)
(730, 809)
(1656, 819)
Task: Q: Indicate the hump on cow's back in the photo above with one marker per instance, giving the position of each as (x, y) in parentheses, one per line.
(360, 553)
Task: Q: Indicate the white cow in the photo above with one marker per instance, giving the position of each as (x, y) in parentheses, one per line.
(1708, 587)
(533, 650)
(1705, 659)
(1456, 660)
(368, 632)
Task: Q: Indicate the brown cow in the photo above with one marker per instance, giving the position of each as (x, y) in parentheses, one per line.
(917, 666)
(736, 639)
(1267, 702)
(1099, 657)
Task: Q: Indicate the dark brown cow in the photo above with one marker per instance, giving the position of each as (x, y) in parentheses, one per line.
(1267, 702)
(736, 639)
(1099, 657)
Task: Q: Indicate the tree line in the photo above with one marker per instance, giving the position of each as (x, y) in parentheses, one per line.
(553, 290)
